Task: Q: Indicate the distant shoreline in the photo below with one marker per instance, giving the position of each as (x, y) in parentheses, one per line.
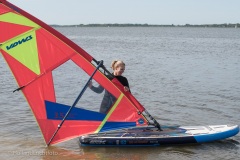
(225, 25)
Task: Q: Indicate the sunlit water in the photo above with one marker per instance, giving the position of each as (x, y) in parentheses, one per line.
(184, 76)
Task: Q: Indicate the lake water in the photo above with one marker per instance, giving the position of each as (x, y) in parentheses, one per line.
(184, 76)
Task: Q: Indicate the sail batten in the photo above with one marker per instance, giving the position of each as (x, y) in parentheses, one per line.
(34, 51)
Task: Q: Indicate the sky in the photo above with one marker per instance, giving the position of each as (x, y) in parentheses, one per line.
(177, 12)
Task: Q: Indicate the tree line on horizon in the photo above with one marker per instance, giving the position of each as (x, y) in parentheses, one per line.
(224, 25)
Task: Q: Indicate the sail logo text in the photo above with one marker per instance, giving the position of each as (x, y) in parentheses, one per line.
(19, 42)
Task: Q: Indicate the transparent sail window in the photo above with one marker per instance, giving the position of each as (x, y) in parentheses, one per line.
(69, 80)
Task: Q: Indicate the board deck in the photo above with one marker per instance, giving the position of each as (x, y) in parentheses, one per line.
(145, 136)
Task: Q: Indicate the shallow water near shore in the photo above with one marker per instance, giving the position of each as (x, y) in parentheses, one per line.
(182, 76)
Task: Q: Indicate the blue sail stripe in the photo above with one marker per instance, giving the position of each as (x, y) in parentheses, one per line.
(117, 125)
(56, 111)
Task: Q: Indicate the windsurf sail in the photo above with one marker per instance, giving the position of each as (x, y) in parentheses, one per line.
(33, 50)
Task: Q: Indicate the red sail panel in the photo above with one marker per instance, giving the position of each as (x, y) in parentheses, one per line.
(15, 28)
(60, 52)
